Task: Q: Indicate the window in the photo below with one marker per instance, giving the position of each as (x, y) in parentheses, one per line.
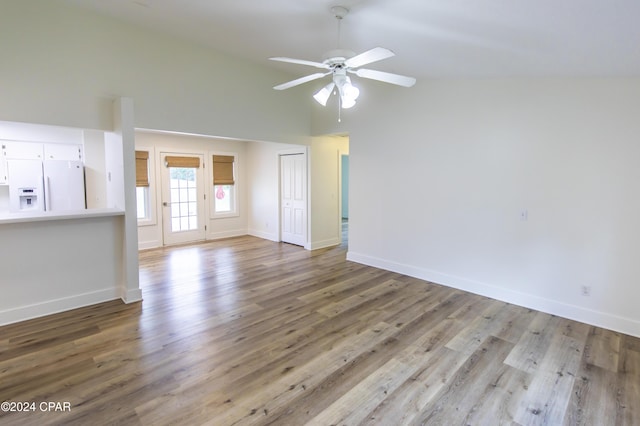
(142, 185)
(223, 202)
(142, 201)
(224, 188)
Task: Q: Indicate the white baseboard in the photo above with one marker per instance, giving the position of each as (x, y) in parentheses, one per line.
(226, 234)
(130, 296)
(144, 245)
(264, 235)
(49, 307)
(315, 245)
(597, 318)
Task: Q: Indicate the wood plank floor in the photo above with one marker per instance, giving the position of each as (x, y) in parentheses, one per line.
(250, 332)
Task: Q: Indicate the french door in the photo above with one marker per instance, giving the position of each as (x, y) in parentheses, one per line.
(183, 199)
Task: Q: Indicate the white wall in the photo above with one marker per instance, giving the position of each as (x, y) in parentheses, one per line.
(150, 235)
(95, 169)
(99, 261)
(114, 169)
(70, 64)
(263, 187)
(40, 133)
(69, 67)
(464, 158)
(78, 265)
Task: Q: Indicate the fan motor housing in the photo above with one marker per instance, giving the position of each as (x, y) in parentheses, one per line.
(337, 56)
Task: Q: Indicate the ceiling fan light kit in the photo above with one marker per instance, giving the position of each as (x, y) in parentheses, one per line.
(338, 63)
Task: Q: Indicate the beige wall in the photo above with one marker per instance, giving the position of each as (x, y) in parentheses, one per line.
(325, 218)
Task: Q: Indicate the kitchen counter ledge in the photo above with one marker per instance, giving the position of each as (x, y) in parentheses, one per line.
(6, 218)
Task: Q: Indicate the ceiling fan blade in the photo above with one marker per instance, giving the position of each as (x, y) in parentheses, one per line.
(301, 62)
(368, 57)
(300, 80)
(387, 77)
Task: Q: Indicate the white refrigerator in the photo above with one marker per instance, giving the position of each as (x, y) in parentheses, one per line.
(63, 185)
(26, 193)
(50, 185)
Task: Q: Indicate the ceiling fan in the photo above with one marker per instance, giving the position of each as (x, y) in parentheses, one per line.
(341, 62)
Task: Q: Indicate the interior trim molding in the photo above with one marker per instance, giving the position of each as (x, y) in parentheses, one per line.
(331, 242)
(55, 306)
(264, 235)
(131, 296)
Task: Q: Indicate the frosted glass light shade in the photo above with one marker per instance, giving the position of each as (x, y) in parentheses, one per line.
(348, 94)
(323, 94)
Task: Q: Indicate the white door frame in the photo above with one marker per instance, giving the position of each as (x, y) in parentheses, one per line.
(293, 151)
(340, 178)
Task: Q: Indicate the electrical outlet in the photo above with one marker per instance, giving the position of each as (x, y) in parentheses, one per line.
(586, 290)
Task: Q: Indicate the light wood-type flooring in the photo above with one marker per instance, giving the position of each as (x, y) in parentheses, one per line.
(245, 331)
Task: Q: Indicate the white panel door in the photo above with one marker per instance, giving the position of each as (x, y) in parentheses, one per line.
(183, 217)
(293, 178)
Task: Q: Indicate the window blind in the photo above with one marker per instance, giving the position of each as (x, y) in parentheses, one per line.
(192, 162)
(223, 170)
(142, 168)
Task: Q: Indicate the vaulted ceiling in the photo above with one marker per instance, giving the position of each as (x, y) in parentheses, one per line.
(431, 38)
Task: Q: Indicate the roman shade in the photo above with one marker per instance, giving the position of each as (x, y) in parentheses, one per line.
(142, 168)
(193, 162)
(223, 170)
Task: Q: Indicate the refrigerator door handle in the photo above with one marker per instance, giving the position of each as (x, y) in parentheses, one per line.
(47, 198)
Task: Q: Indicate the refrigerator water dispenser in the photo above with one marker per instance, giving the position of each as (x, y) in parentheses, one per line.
(28, 198)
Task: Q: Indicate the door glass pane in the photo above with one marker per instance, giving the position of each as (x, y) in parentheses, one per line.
(185, 217)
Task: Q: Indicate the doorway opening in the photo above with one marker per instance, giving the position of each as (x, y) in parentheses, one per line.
(344, 198)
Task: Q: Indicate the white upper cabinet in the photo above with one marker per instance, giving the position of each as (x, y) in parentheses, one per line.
(59, 151)
(23, 150)
(3, 164)
(19, 150)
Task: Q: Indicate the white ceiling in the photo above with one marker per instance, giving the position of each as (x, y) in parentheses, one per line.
(431, 38)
